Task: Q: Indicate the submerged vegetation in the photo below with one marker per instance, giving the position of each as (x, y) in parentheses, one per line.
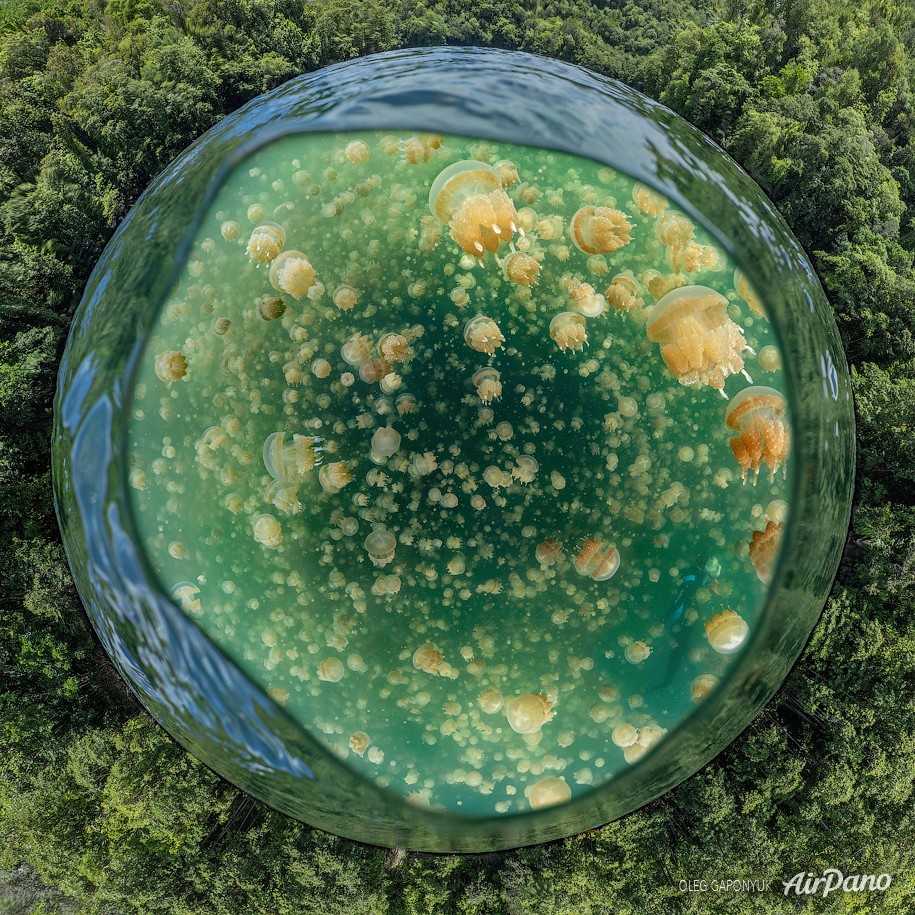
(816, 99)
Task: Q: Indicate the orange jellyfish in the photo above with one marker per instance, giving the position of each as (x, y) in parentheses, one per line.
(286, 460)
(548, 552)
(764, 549)
(520, 268)
(171, 366)
(483, 335)
(528, 713)
(700, 344)
(468, 197)
(380, 546)
(394, 347)
(292, 272)
(747, 292)
(333, 477)
(624, 292)
(650, 202)
(428, 658)
(568, 330)
(726, 632)
(597, 562)
(599, 230)
(548, 792)
(756, 413)
(265, 242)
(488, 384)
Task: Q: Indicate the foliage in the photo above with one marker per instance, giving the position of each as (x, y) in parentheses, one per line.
(815, 99)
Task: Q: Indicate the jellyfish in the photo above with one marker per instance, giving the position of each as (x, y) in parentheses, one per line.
(380, 545)
(599, 230)
(333, 477)
(345, 297)
(266, 242)
(428, 659)
(702, 686)
(185, 594)
(171, 366)
(359, 743)
(356, 151)
(483, 335)
(385, 442)
(636, 652)
(586, 301)
(747, 292)
(726, 632)
(267, 531)
(650, 202)
(624, 292)
(490, 700)
(700, 344)
(625, 735)
(547, 792)
(487, 384)
(597, 562)
(520, 268)
(289, 460)
(284, 496)
(764, 549)
(331, 670)
(356, 350)
(674, 230)
(526, 469)
(568, 330)
(468, 197)
(291, 272)
(548, 552)
(394, 347)
(756, 413)
(528, 713)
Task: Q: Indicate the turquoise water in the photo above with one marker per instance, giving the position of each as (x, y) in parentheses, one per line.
(405, 664)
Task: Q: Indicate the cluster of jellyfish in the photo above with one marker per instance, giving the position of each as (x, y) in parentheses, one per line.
(472, 455)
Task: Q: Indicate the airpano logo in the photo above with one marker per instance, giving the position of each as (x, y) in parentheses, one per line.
(806, 884)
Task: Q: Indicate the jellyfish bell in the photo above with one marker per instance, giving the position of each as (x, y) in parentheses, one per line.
(548, 792)
(548, 552)
(380, 546)
(599, 230)
(745, 290)
(270, 308)
(636, 652)
(624, 292)
(185, 595)
(764, 549)
(265, 242)
(171, 366)
(267, 530)
(625, 735)
(702, 686)
(650, 202)
(597, 561)
(331, 670)
(357, 349)
(487, 383)
(333, 477)
(483, 335)
(359, 743)
(292, 272)
(283, 496)
(520, 268)
(289, 460)
(586, 301)
(726, 632)
(528, 713)
(568, 331)
(468, 197)
(345, 297)
(394, 347)
(756, 414)
(428, 658)
(699, 343)
(385, 442)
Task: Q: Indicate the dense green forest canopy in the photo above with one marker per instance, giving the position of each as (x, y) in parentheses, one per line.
(100, 811)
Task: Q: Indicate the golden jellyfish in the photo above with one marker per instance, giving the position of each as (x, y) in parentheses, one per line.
(331, 670)
(624, 292)
(345, 297)
(320, 368)
(428, 658)
(483, 335)
(267, 531)
(568, 330)
(385, 442)
(599, 230)
(356, 151)
(333, 477)
(185, 594)
(726, 632)
(659, 285)
(394, 347)
(405, 403)
(674, 230)
(548, 792)
(650, 202)
(286, 460)
(490, 700)
(526, 469)
(520, 268)
(756, 414)
(702, 686)
(359, 743)
(468, 197)
(390, 383)
(269, 308)
(586, 300)
(229, 230)
(283, 496)
(747, 292)
(700, 344)
(764, 549)
(507, 171)
(548, 552)
(380, 545)
(528, 713)
(357, 349)
(171, 366)
(625, 735)
(293, 273)
(596, 561)
(487, 384)
(636, 652)
(265, 242)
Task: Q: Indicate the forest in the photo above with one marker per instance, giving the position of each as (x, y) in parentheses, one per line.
(101, 812)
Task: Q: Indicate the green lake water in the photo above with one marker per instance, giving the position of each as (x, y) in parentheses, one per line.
(404, 665)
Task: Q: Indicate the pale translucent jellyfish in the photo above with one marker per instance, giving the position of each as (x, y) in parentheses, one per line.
(490, 700)
(624, 292)
(636, 652)
(597, 561)
(483, 335)
(520, 268)
(746, 291)
(547, 792)
(428, 658)
(568, 330)
(770, 359)
(405, 403)
(293, 273)
(229, 230)
(599, 230)
(394, 347)
(185, 594)
(333, 477)
(487, 384)
(267, 531)
(380, 545)
(650, 202)
(650, 734)
(586, 301)
(548, 552)
(525, 469)
(390, 383)
(624, 735)
(345, 297)
(468, 197)
(764, 549)
(284, 496)
(287, 460)
(528, 713)
(424, 464)
(331, 670)
(171, 366)
(756, 413)
(699, 342)
(356, 151)
(320, 368)
(493, 476)
(726, 632)
(634, 752)
(359, 743)
(508, 172)
(385, 442)
(674, 229)
(357, 349)
(266, 242)
(702, 686)
(270, 307)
